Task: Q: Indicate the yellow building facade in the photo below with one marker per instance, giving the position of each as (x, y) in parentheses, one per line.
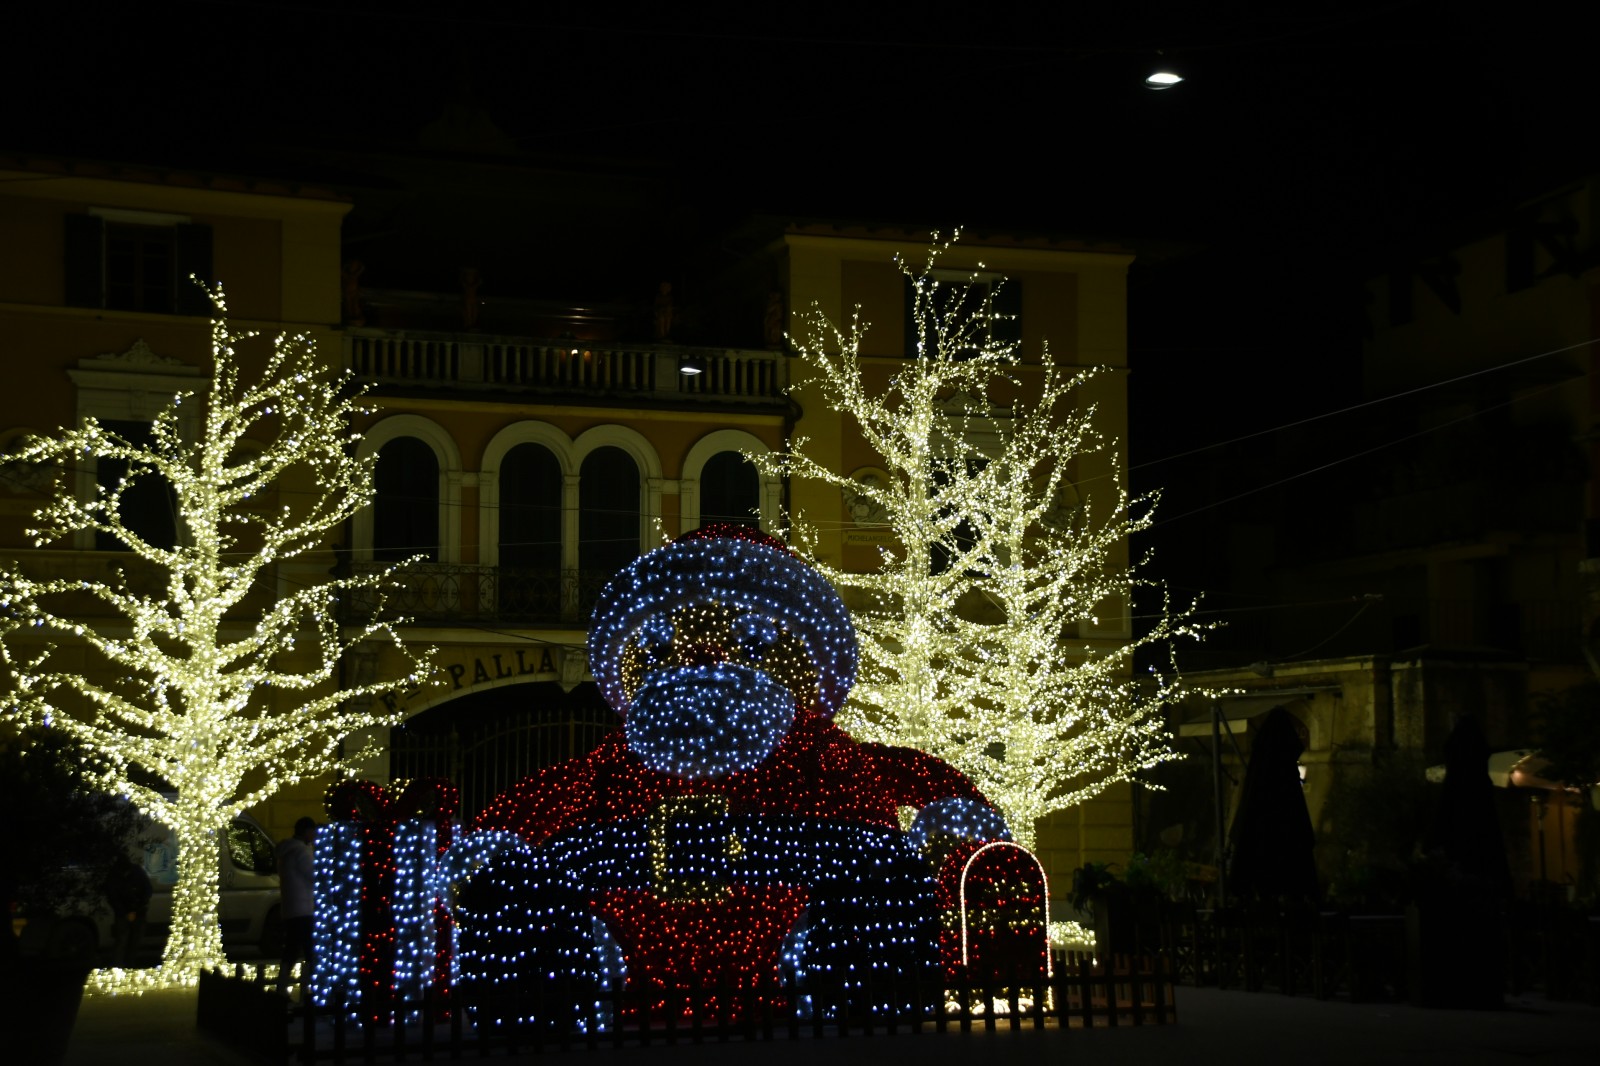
(98, 316)
(518, 471)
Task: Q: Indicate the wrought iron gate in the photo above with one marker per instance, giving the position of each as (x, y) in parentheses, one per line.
(486, 755)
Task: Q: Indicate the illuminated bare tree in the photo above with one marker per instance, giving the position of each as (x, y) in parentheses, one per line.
(199, 665)
(970, 626)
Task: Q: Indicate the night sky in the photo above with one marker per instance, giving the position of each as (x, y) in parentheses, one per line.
(1354, 125)
(1308, 149)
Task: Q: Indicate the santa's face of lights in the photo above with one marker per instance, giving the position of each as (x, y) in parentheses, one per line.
(712, 688)
(712, 647)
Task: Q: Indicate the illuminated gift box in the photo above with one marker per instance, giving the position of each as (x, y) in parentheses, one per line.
(384, 933)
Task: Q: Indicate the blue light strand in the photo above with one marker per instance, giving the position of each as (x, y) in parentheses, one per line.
(769, 583)
(421, 921)
(958, 817)
(707, 721)
(337, 861)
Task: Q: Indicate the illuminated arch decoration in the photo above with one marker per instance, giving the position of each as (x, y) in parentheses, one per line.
(743, 841)
(1001, 912)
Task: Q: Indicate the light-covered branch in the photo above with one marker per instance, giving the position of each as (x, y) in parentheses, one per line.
(185, 684)
(979, 625)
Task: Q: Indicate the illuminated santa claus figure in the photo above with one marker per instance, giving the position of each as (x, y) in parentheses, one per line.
(728, 834)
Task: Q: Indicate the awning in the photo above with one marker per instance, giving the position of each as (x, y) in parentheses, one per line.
(1243, 706)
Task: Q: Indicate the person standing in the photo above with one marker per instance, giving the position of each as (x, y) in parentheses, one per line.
(298, 906)
(128, 890)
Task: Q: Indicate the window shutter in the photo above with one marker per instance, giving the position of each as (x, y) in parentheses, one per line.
(1008, 306)
(192, 255)
(84, 251)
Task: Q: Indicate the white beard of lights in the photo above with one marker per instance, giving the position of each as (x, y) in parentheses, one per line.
(707, 721)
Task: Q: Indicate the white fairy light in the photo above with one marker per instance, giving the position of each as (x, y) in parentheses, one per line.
(188, 684)
(1038, 717)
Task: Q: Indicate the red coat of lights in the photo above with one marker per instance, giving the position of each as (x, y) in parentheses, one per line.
(817, 771)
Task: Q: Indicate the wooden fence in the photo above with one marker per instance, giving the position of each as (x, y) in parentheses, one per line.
(246, 1013)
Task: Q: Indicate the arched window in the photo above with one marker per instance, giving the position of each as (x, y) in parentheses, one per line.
(405, 519)
(530, 533)
(608, 518)
(730, 490)
(530, 508)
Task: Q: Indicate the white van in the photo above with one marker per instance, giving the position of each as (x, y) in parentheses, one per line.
(247, 862)
(248, 870)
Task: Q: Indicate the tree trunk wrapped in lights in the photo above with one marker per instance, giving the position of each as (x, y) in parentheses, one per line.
(970, 625)
(179, 680)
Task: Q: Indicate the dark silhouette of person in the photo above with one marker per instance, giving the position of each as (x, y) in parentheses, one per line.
(1272, 838)
(128, 891)
(298, 906)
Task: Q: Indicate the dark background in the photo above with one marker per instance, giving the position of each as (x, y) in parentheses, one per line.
(1309, 149)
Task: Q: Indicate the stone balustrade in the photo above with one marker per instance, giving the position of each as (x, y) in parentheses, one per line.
(469, 361)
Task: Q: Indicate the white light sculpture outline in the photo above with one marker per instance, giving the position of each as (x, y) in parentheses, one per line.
(1044, 881)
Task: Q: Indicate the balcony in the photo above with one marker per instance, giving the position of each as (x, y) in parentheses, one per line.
(572, 370)
(464, 594)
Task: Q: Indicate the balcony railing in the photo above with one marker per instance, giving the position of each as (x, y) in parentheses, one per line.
(456, 593)
(638, 372)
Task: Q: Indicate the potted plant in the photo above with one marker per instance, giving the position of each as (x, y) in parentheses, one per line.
(63, 839)
(1105, 898)
(1126, 910)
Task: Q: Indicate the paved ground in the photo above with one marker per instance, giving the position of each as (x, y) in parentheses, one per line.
(1234, 1028)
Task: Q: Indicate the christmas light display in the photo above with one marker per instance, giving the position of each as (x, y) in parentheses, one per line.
(383, 931)
(1071, 936)
(341, 876)
(970, 624)
(159, 671)
(995, 900)
(739, 849)
(955, 819)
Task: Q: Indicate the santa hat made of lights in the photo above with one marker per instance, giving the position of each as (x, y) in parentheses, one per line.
(738, 567)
